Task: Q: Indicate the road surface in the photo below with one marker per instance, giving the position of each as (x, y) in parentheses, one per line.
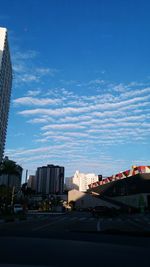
(73, 238)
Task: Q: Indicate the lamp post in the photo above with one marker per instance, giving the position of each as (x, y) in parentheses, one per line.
(7, 190)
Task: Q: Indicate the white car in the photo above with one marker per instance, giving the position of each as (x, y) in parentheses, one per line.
(18, 208)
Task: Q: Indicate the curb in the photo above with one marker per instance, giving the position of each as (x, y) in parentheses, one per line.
(115, 232)
(46, 213)
(129, 233)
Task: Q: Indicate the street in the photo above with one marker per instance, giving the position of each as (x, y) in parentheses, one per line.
(53, 240)
(74, 224)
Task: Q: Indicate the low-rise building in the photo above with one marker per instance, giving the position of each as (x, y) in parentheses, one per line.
(84, 200)
(130, 188)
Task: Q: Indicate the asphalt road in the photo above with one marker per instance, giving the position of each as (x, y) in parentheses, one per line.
(67, 239)
(75, 225)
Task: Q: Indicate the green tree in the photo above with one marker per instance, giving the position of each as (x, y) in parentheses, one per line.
(8, 168)
(72, 204)
(4, 192)
(27, 191)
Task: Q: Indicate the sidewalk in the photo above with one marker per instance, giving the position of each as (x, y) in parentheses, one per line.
(37, 212)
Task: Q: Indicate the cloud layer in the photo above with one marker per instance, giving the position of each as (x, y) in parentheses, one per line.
(94, 125)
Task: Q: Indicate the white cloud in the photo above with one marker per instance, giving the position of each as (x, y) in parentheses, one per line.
(63, 126)
(137, 84)
(19, 152)
(133, 93)
(19, 56)
(19, 68)
(75, 119)
(85, 124)
(27, 77)
(26, 71)
(126, 104)
(97, 82)
(120, 88)
(46, 71)
(104, 123)
(37, 121)
(52, 112)
(33, 92)
(32, 101)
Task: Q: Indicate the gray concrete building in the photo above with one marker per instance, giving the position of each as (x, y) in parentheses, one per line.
(31, 182)
(5, 87)
(50, 179)
(84, 200)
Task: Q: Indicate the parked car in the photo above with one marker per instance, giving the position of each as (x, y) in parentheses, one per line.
(18, 208)
(103, 211)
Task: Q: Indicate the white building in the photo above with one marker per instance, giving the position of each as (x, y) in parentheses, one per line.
(5, 87)
(80, 181)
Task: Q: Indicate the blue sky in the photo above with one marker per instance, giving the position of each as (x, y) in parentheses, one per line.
(81, 88)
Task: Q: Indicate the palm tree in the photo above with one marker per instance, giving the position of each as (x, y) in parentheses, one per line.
(8, 168)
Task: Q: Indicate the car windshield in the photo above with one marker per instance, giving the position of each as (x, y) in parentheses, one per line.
(74, 131)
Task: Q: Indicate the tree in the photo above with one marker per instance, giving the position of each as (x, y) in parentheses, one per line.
(4, 193)
(72, 204)
(8, 168)
(27, 191)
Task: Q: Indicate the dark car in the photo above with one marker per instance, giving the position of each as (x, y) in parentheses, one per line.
(103, 211)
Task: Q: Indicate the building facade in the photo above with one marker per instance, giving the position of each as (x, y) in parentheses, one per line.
(5, 87)
(84, 200)
(50, 179)
(80, 181)
(130, 188)
(31, 182)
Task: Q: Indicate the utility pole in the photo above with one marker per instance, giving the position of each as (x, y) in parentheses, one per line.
(26, 176)
(12, 198)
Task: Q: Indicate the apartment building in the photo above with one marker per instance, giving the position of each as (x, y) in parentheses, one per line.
(5, 87)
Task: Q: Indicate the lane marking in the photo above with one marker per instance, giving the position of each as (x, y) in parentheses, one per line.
(127, 220)
(64, 218)
(135, 223)
(82, 219)
(91, 219)
(99, 225)
(146, 219)
(119, 220)
(137, 219)
(46, 225)
(74, 218)
(42, 226)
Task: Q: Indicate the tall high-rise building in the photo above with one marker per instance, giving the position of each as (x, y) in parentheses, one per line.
(5, 87)
(50, 179)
